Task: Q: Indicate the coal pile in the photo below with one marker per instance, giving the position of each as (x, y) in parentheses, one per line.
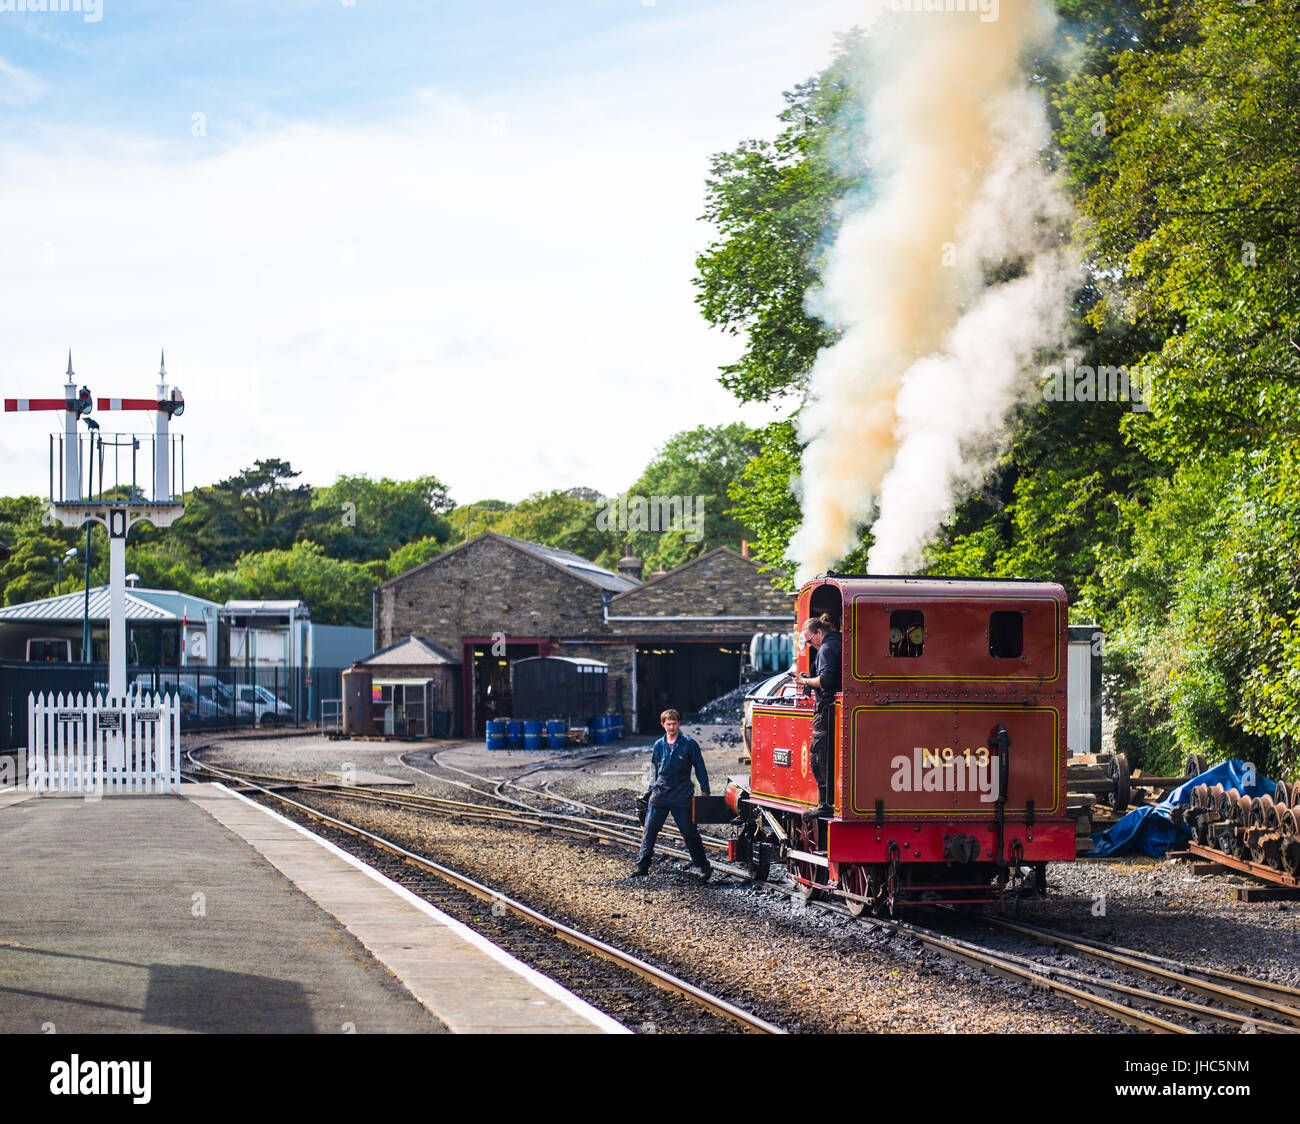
(725, 709)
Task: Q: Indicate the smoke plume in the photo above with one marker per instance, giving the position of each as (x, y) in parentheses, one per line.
(932, 354)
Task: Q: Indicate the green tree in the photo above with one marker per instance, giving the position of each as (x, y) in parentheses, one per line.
(257, 509)
(472, 519)
(1192, 213)
(362, 519)
(763, 497)
(337, 591)
(563, 519)
(31, 572)
(695, 470)
(774, 206)
(411, 555)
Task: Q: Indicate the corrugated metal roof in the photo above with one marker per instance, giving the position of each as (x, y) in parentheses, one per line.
(265, 606)
(178, 604)
(141, 605)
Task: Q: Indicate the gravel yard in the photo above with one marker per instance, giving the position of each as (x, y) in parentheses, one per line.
(807, 970)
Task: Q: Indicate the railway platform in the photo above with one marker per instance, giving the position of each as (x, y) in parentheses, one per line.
(205, 912)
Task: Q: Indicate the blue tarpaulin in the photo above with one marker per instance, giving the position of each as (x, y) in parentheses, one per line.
(1151, 830)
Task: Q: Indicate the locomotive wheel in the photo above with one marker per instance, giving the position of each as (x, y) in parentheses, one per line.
(1241, 818)
(809, 877)
(853, 878)
(1290, 843)
(1118, 771)
(1282, 794)
(1195, 765)
(1221, 802)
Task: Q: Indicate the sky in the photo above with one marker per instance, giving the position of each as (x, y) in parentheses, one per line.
(389, 237)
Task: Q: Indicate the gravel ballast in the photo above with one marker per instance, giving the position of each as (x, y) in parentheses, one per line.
(797, 966)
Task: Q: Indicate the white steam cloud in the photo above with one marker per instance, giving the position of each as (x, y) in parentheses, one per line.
(905, 406)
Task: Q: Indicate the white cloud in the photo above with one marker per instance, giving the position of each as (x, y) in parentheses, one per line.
(18, 86)
(508, 308)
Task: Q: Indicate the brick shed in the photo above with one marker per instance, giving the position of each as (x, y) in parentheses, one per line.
(674, 640)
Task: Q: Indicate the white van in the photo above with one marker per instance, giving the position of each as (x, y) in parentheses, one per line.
(49, 649)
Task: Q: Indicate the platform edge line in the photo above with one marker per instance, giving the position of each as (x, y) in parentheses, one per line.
(543, 983)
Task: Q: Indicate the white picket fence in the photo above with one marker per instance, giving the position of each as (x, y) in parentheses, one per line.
(94, 745)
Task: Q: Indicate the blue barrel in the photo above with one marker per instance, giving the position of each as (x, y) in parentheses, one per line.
(555, 733)
(616, 723)
(532, 735)
(496, 733)
(600, 729)
(515, 735)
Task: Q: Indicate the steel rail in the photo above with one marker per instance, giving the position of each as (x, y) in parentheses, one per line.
(1074, 985)
(709, 841)
(656, 976)
(552, 821)
(1239, 991)
(1065, 982)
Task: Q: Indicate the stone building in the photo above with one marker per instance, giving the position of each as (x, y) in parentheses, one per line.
(677, 639)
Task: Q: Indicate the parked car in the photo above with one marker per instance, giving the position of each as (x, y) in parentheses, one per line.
(257, 702)
(219, 694)
(192, 701)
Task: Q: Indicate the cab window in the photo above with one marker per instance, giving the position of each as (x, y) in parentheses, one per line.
(1006, 635)
(906, 633)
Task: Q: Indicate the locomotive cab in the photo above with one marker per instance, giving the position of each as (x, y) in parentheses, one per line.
(948, 762)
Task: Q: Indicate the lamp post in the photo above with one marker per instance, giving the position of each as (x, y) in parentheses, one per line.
(58, 560)
(85, 610)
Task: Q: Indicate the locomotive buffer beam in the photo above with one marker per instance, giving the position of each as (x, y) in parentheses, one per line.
(711, 809)
(961, 848)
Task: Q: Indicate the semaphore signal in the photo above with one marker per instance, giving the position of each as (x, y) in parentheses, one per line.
(73, 501)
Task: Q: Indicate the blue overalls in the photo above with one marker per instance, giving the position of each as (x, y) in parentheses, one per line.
(672, 791)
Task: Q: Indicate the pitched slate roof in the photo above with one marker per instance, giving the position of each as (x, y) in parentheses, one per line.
(684, 581)
(413, 651)
(576, 566)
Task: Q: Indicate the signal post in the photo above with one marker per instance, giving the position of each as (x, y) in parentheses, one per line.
(117, 500)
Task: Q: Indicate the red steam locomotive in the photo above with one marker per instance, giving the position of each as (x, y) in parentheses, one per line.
(949, 758)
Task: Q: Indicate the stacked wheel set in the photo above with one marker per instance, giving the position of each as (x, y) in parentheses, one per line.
(1260, 829)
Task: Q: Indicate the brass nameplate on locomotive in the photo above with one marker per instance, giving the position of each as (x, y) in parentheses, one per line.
(781, 757)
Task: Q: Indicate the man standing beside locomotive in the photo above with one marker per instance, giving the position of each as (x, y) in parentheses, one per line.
(675, 754)
(824, 638)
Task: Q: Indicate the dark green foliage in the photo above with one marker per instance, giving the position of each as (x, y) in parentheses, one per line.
(1176, 124)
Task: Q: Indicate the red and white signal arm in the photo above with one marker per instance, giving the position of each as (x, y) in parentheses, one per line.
(82, 404)
(173, 405)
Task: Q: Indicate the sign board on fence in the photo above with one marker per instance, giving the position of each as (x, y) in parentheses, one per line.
(109, 720)
(146, 716)
(69, 715)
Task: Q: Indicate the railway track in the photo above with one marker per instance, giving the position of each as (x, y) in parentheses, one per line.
(656, 977)
(1240, 1003)
(603, 815)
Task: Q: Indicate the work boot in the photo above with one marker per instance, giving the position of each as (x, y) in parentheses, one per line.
(706, 872)
(640, 872)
